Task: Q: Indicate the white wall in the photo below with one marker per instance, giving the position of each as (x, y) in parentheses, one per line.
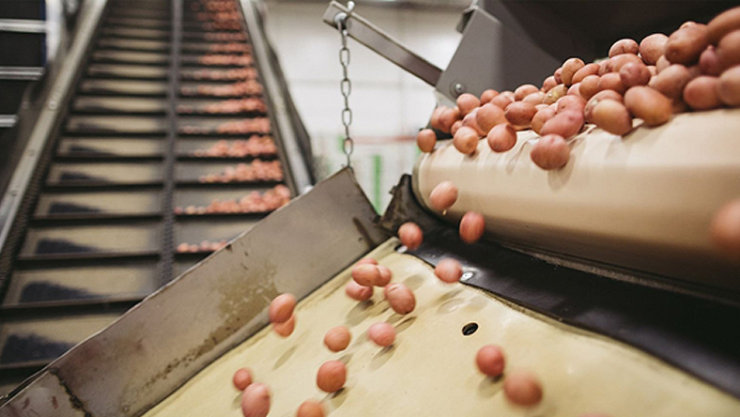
(389, 105)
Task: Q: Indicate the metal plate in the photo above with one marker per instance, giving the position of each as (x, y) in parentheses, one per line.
(110, 146)
(98, 203)
(131, 237)
(114, 173)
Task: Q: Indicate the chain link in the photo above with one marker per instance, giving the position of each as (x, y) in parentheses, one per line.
(345, 85)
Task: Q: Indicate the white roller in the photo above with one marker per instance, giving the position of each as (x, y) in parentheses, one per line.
(642, 202)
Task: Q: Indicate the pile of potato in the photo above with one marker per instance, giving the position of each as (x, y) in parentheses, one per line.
(696, 68)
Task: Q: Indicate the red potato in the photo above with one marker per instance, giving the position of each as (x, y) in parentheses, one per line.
(671, 81)
(520, 113)
(472, 226)
(611, 81)
(558, 75)
(411, 235)
(256, 401)
(624, 46)
(466, 140)
(728, 49)
(728, 88)
(331, 376)
(471, 120)
(337, 338)
(709, 62)
(653, 70)
(542, 106)
(455, 127)
(242, 378)
(565, 124)
(701, 93)
(570, 103)
(524, 90)
(652, 47)
(589, 86)
(662, 64)
(725, 229)
(434, 121)
(489, 115)
(448, 270)
(588, 69)
(358, 292)
(574, 90)
(570, 67)
(616, 63)
(487, 96)
(501, 138)
(549, 83)
(310, 408)
(723, 24)
(604, 67)
(443, 196)
(426, 139)
(281, 308)
(550, 152)
(385, 276)
(538, 121)
(535, 98)
(612, 116)
(447, 118)
(555, 93)
(522, 388)
(649, 105)
(382, 334)
(633, 74)
(368, 261)
(286, 328)
(366, 275)
(400, 297)
(502, 100)
(466, 102)
(686, 44)
(490, 360)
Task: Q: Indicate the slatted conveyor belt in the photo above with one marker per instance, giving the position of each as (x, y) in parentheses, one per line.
(166, 152)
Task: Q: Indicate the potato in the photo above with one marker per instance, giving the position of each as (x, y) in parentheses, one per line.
(589, 86)
(633, 74)
(725, 229)
(701, 93)
(256, 401)
(570, 103)
(550, 152)
(489, 115)
(709, 62)
(385, 276)
(434, 121)
(285, 329)
(555, 93)
(281, 308)
(487, 96)
(400, 297)
(558, 75)
(535, 98)
(685, 45)
(524, 90)
(549, 83)
(310, 408)
(520, 113)
(570, 67)
(648, 104)
(728, 88)
(358, 292)
(471, 120)
(538, 121)
(653, 70)
(502, 100)
(337, 338)
(331, 376)
(565, 124)
(466, 102)
(723, 24)
(443, 196)
(472, 226)
(604, 67)
(588, 69)
(367, 260)
(593, 101)
(728, 49)
(574, 90)
(447, 118)
(490, 360)
(426, 139)
(616, 63)
(448, 270)
(466, 140)
(624, 46)
(366, 275)
(455, 127)
(411, 235)
(501, 138)
(662, 64)
(611, 81)
(652, 47)
(671, 81)
(612, 116)
(242, 378)
(522, 388)
(382, 334)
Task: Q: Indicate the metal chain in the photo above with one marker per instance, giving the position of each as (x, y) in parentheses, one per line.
(345, 86)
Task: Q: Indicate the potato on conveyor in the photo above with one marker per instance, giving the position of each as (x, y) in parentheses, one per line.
(242, 378)
(285, 329)
(400, 297)
(337, 338)
(522, 388)
(366, 274)
(472, 226)
(358, 292)
(310, 408)
(411, 235)
(443, 196)
(331, 376)
(382, 334)
(281, 308)
(256, 400)
(490, 360)
(448, 270)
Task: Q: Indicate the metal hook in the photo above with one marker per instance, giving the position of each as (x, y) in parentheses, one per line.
(342, 17)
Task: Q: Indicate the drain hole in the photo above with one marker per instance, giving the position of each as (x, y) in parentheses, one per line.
(469, 329)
